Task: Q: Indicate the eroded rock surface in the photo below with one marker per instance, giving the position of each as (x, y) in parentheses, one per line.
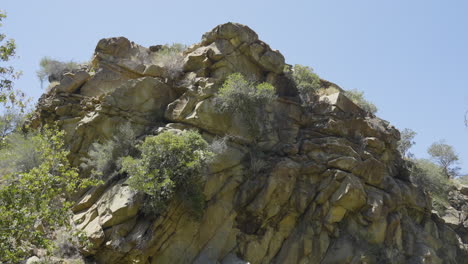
(322, 184)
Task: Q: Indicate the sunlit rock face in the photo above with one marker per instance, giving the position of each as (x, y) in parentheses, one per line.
(323, 183)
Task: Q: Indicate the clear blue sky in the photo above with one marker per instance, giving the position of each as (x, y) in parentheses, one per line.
(409, 57)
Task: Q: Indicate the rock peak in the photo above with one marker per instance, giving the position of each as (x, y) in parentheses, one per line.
(318, 183)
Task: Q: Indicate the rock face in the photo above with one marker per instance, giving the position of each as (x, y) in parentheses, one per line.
(323, 183)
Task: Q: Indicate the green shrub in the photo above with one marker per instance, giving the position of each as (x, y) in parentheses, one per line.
(358, 98)
(430, 177)
(307, 82)
(21, 152)
(171, 58)
(33, 200)
(170, 165)
(240, 95)
(104, 159)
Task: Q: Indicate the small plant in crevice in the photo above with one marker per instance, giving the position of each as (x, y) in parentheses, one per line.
(358, 98)
(219, 145)
(171, 58)
(104, 159)
(170, 166)
(245, 97)
(67, 243)
(307, 82)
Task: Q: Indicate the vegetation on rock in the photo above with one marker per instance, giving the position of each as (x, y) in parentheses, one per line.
(306, 80)
(170, 165)
(358, 98)
(238, 95)
(406, 142)
(51, 69)
(308, 84)
(446, 157)
(171, 58)
(331, 184)
(105, 159)
(431, 178)
(33, 194)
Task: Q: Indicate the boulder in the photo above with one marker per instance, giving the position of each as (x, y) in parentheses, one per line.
(117, 205)
(71, 82)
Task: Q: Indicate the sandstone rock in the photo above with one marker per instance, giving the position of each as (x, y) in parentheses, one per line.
(233, 259)
(350, 195)
(341, 102)
(343, 163)
(315, 186)
(342, 251)
(371, 170)
(94, 232)
(118, 205)
(72, 81)
(230, 31)
(89, 198)
(464, 189)
(336, 214)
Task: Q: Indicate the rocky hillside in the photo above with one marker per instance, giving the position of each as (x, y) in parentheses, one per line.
(321, 183)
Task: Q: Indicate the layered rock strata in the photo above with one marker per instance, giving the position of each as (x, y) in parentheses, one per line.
(323, 183)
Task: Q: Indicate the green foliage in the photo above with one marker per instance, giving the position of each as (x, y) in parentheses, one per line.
(432, 179)
(308, 84)
(52, 69)
(358, 98)
(445, 156)
(307, 81)
(33, 200)
(406, 142)
(171, 58)
(10, 120)
(240, 95)
(170, 166)
(21, 153)
(104, 159)
(8, 73)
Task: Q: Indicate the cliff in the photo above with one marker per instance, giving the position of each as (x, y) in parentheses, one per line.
(323, 183)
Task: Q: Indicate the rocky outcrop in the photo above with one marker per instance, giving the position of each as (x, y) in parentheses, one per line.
(323, 183)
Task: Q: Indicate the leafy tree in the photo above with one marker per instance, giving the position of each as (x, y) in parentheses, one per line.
(306, 80)
(406, 142)
(358, 98)
(170, 165)
(8, 73)
(445, 156)
(33, 200)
